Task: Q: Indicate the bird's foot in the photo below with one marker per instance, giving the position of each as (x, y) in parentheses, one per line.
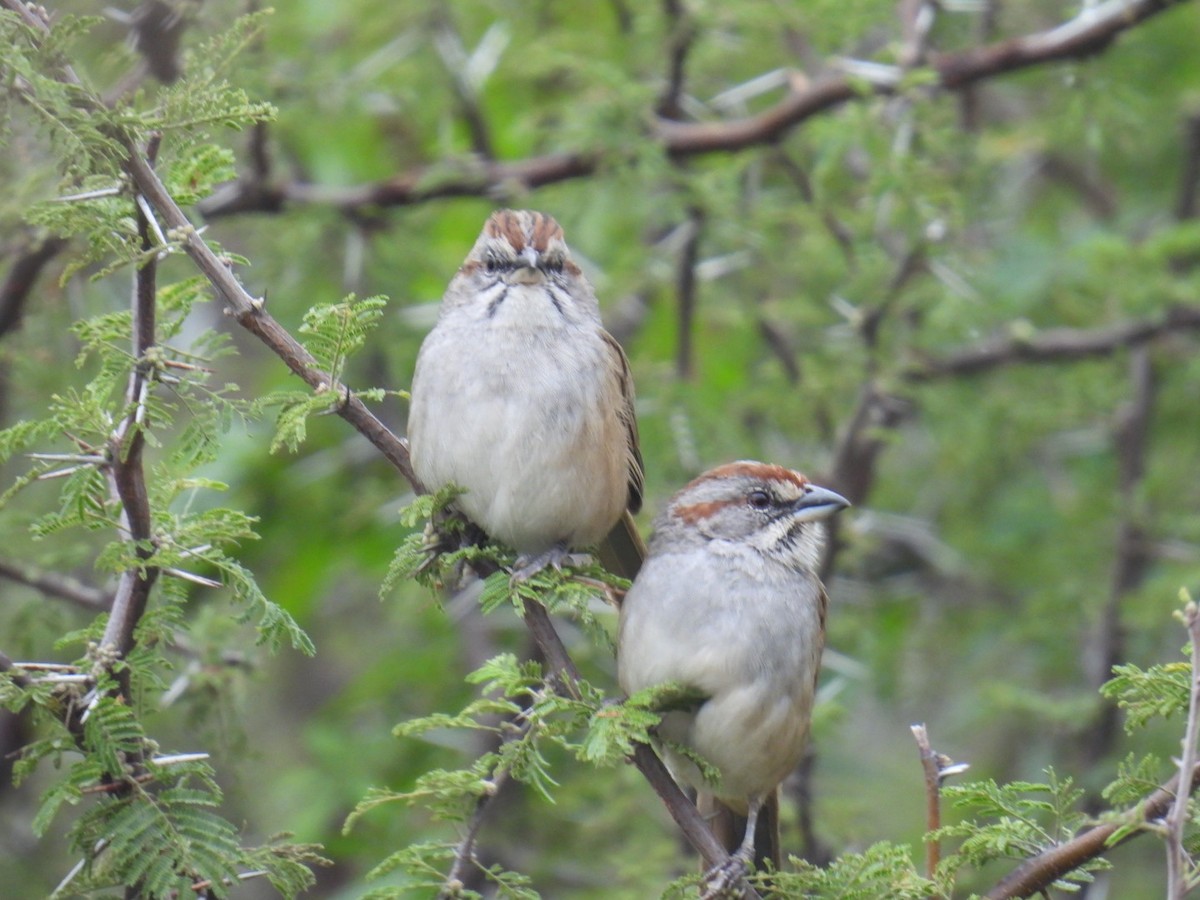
(529, 564)
(727, 880)
(447, 531)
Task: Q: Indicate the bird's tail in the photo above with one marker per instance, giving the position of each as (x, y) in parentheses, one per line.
(623, 550)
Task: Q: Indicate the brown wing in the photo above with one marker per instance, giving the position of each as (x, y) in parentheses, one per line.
(637, 472)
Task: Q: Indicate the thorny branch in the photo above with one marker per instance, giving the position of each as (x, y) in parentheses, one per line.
(933, 798)
(125, 470)
(1179, 864)
(250, 313)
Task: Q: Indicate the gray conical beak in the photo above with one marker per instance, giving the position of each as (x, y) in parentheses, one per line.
(527, 271)
(819, 502)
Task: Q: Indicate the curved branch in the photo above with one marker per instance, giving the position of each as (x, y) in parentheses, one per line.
(1038, 873)
(1087, 34)
(475, 178)
(21, 278)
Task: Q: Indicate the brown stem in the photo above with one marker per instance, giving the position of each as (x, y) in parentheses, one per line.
(682, 810)
(125, 446)
(933, 798)
(1038, 873)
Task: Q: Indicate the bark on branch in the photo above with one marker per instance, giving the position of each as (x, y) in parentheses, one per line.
(1038, 873)
(1089, 33)
(1055, 345)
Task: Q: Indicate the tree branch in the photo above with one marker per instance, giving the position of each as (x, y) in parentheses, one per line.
(125, 471)
(685, 292)
(933, 798)
(1177, 819)
(472, 178)
(1089, 33)
(1055, 345)
(22, 276)
(1187, 206)
(1132, 554)
(1038, 873)
(681, 32)
(682, 810)
(250, 314)
(55, 585)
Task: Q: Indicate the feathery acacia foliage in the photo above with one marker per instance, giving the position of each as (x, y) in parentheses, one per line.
(856, 268)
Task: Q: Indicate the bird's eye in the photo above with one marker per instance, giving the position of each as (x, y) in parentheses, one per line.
(553, 264)
(491, 263)
(758, 499)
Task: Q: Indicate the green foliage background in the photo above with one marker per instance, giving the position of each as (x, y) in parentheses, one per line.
(972, 582)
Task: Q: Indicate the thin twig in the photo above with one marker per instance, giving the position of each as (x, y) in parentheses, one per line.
(933, 799)
(1187, 206)
(1178, 862)
(937, 768)
(681, 33)
(1132, 553)
(682, 810)
(464, 853)
(685, 292)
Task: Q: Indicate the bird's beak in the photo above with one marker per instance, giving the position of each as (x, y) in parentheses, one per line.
(527, 272)
(819, 503)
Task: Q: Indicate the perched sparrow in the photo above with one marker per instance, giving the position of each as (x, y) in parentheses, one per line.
(728, 605)
(522, 398)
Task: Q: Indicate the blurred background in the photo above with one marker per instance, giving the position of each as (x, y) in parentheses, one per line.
(972, 310)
